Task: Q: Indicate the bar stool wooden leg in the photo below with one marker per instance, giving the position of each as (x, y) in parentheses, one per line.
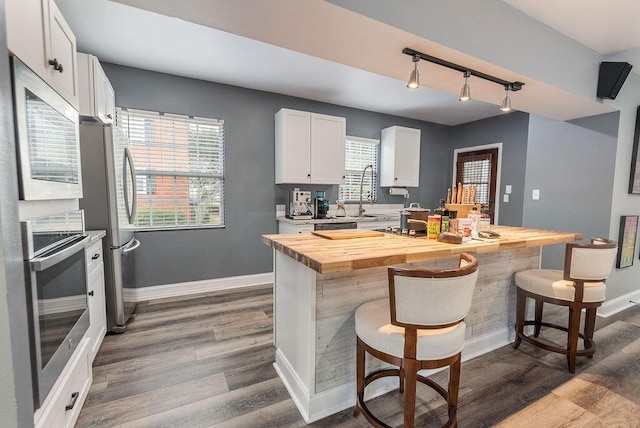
(360, 363)
(572, 342)
(589, 327)
(521, 307)
(411, 373)
(454, 387)
(401, 376)
(538, 318)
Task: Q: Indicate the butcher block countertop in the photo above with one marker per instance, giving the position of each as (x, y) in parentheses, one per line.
(341, 255)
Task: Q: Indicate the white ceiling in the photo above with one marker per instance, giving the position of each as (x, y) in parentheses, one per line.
(316, 50)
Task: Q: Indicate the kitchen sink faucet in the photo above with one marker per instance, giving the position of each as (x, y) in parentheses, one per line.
(360, 209)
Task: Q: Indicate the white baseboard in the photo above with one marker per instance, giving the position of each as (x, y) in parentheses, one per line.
(613, 306)
(314, 407)
(195, 287)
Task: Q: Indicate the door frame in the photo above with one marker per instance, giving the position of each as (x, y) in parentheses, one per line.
(498, 173)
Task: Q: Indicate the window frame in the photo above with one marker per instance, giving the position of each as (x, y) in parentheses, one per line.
(156, 173)
(497, 146)
(376, 178)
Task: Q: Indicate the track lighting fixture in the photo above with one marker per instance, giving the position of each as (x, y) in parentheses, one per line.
(506, 102)
(465, 93)
(414, 78)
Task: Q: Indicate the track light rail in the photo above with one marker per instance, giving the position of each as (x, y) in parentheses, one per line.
(511, 86)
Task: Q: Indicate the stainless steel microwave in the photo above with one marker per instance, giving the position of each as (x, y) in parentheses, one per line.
(48, 139)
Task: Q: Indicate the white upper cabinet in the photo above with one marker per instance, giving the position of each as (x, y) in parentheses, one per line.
(309, 148)
(39, 36)
(97, 98)
(400, 157)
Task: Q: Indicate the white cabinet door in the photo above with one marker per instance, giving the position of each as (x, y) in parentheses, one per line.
(400, 157)
(25, 33)
(61, 51)
(39, 36)
(109, 101)
(97, 312)
(328, 135)
(293, 135)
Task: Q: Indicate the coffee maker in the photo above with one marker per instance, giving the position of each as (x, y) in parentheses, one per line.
(320, 205)
(299, 205)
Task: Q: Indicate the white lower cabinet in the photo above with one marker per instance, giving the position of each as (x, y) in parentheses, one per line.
(62, 407)
(96, 299)
(294, 228)
(373, 225)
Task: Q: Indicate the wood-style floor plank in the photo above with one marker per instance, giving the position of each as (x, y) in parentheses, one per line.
(207, 361)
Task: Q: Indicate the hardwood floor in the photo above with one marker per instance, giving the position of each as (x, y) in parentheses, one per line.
(206, 361)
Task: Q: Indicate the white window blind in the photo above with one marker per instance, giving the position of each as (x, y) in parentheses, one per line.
(359, 153)
(179, 163)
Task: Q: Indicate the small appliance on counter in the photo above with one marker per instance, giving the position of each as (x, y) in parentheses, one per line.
(299, 205)
(320, 205)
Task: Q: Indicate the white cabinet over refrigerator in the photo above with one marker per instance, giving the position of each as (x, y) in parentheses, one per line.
(309, 147)
(400, 157)
(97, 97)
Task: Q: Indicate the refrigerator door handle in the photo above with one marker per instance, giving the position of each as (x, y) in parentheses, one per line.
(131, 210)
(132, 247)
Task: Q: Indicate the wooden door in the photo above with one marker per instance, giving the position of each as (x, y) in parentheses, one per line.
(480, 168)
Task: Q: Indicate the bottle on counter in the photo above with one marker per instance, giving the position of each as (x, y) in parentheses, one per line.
(475, 215)
(453, 221)
(445, 219)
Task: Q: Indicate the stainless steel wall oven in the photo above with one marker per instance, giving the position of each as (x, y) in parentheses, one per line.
(47, 130)
(56, 272)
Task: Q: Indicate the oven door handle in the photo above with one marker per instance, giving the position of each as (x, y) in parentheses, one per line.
(39, 264)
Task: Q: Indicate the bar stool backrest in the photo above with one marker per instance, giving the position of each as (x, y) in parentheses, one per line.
(432, 298)
(590, 262)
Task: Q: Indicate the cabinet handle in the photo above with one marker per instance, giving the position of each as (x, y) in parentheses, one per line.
(396, 178)
(56, 65)
(90, 293)
(74, 398)
(109, 116)
(308, 175)
(95, 256)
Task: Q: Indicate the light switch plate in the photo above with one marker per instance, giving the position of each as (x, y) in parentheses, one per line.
(507, 189)
(535, 195)
(505, 198)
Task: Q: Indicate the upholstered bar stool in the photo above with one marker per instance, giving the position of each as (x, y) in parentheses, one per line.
(581, 285)
(419, 327)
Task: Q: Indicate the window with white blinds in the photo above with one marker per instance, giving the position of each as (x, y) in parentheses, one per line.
(179, 163)
(359, 153)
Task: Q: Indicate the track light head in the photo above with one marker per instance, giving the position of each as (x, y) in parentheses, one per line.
(414, 78)
(465, 93)
(506, 102)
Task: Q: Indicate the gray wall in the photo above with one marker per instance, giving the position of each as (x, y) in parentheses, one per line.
(16, 403)
(510, 130)
(573, 166)
(250, 193)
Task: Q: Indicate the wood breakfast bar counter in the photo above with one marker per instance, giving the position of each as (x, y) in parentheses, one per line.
(319, 283)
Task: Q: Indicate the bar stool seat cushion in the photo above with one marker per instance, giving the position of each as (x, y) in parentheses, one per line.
(373, 326)
(549, 283)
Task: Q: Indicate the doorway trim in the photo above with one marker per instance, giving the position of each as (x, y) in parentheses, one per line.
(498, 173)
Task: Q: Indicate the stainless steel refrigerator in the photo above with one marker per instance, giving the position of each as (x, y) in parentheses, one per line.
(109, 202)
